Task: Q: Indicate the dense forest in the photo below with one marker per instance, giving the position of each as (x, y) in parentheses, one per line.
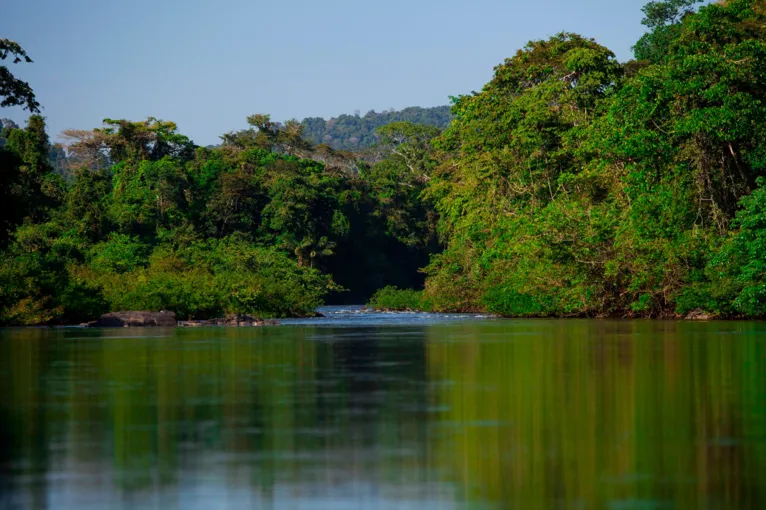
(150, 221)
(574, 185)
(570, 185)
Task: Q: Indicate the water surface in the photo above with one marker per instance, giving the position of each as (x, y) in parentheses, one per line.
(358, 410)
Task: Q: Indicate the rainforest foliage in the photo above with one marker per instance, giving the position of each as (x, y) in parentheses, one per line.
(149, 221)
(570, 185)
(573, 185)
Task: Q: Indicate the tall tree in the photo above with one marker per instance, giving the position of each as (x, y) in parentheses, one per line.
(121, 140)
(41, 188)
(663, 18)
(13, 91)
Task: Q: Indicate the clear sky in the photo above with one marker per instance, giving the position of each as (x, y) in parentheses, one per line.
(207, 65)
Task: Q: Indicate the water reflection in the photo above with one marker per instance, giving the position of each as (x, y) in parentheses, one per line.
(501, 414)
(603, 414)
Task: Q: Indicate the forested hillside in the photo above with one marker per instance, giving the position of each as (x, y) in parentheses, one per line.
(570, 185)
(354, 133)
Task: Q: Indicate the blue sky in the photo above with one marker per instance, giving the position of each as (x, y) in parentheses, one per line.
(207, 65)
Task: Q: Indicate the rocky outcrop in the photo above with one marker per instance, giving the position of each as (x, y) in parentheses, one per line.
(135, 320)
(245, 320)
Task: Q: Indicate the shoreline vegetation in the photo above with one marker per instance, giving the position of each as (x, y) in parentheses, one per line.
(392, 299)
(571, 185)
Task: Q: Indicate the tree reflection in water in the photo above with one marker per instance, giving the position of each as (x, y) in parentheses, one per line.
(526, 414)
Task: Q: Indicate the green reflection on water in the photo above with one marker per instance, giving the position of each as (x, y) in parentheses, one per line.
(604, 414)
(519, 414)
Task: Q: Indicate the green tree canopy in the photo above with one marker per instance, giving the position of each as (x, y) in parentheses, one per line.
(13, 91)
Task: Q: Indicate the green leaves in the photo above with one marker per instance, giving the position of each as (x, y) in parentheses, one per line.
(667, 12)
(212, 278)
(740, 266)
(122, 140)
(13, 91)
(391, 298)
(571, 185)
(663, 18)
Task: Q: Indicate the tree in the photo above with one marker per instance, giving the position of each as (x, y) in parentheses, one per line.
(13, 91)
(121, 140)
(412, 143)
(6, 125)
(310, 248)
(150, 195)
(503, 187)
(236, 203)
(40, 189)
(86, 205)
(663, 18)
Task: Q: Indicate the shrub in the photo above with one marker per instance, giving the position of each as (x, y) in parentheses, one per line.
(393, 298)
(213, 278)
(515, 304)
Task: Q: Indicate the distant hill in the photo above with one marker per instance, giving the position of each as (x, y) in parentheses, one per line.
(6, 124)
(354, 132)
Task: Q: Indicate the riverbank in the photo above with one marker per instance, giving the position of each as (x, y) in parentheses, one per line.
(392, 299)
(164, 318)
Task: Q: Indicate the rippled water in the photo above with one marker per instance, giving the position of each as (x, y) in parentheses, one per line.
(359, 316)
(362, 410)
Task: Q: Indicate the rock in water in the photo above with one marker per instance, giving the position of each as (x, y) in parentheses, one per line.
(191, 324)
(136, 319)
(698, 315)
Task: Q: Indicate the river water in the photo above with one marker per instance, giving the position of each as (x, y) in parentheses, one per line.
(360, 410)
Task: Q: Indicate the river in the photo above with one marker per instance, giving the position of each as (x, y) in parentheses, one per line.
(364, 410)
